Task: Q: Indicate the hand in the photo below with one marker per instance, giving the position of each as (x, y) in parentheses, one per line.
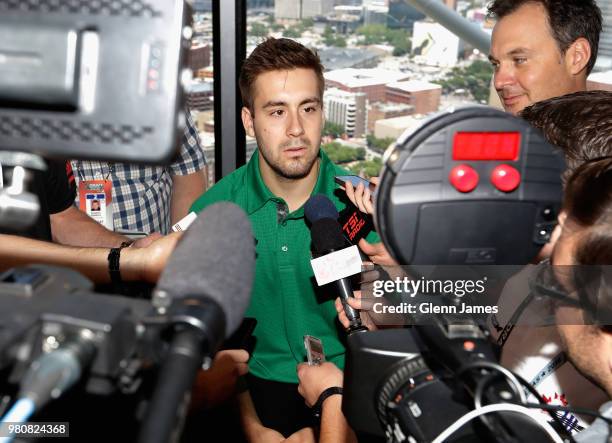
(316, 379)
(377, 253)
(361, 196)
(146, 241)
(356, 303)
(148, 263)
(217, 384)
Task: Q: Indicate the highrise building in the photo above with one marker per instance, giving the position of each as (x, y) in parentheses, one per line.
(288, 9)
(347, 109)
(605, 39)
(316, 8)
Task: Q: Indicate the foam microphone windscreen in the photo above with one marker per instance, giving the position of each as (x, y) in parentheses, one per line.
(215, 257)
(326, 232)
(319, 206)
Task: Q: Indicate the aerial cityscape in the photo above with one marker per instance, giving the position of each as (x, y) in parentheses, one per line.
(387, 67)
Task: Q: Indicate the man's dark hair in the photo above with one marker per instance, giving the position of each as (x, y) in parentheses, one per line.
(273, 55)
(568, 19)
(579, 123)
(588, 204)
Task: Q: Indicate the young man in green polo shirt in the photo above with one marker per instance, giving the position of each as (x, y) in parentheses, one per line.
(282, 90)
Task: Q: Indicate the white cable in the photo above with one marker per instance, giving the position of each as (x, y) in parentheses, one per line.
(498, 407)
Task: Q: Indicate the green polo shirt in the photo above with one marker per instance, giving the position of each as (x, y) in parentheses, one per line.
(285, 299)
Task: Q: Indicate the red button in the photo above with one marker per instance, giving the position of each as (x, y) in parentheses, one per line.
(505, 178)
(464, 178)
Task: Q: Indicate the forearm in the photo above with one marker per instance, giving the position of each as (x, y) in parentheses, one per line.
(334, 427)
(75, 228)
(91, 262)
(185, 190)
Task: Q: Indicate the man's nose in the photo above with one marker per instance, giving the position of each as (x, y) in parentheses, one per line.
(295, 126)
(504, 76)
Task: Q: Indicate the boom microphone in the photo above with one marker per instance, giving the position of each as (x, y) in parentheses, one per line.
(209, 278)
(326, 234)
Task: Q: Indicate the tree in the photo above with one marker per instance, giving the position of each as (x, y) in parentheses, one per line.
(292, 33)
(259, 30)
(333, 129)
(370, 168)
(476, 78)
(373, 34)
(308, 22)
(330, 38)
(378, 144)
(339, 153)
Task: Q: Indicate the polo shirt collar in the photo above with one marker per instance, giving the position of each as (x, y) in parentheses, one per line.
(259, 194)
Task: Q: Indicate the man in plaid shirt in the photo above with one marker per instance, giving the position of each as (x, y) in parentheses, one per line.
(151, 198)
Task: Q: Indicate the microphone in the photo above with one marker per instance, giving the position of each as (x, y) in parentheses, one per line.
(326, 234)
(208, 279)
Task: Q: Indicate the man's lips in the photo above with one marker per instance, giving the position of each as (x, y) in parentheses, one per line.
(510, 100)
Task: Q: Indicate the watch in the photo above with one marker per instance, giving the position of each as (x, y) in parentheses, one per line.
(317, 408)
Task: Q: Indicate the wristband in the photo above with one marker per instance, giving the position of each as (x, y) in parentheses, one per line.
(113, 263)
(317, 408)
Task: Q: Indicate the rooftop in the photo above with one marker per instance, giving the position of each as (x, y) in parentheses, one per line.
(414, 86)
(359, 78)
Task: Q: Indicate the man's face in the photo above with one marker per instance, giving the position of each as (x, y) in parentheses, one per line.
(287, 120)
(529, 66)
(586, 346)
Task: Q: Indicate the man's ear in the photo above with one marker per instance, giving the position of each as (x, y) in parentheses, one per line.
(578, 55)
(247, 121)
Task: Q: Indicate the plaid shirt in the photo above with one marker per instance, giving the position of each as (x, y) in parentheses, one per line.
(142, 194)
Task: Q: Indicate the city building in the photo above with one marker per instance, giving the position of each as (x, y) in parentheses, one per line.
(200, 96)
(316, 8)
(288, 9)
(347, 109)
(434, 45)
(384, 110)
(604, 54)
(394, 127)
(371, 81)
(402, 15)
(345, 19)
(600, 80)
(424, 96)
(375, 14)
(340, 58)
(198, 57)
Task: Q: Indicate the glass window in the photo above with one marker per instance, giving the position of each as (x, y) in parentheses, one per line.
(387, 66)
(200, 91)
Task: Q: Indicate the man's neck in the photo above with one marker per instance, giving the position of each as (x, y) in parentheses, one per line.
(295, 191)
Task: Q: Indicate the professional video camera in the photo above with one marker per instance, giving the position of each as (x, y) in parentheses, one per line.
(471, 187)
(104, 80)
(87, 80)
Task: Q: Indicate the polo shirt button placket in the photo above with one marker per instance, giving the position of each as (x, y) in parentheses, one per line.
(284, 248)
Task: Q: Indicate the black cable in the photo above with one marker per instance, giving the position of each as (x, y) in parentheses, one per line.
(501, 370)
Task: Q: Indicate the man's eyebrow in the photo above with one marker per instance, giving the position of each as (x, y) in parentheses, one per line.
(519, 51)
(316, 100)
(271, 104)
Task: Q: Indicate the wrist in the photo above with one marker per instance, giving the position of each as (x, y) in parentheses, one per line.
(334, 391)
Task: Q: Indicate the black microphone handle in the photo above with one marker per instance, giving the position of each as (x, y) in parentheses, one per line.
(345, 289)
(176, 378)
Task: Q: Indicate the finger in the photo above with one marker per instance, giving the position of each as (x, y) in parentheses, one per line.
(367, 248)
(238, 355)
(367, 201)
(354, 303)
(242, 369)
(350, 192)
